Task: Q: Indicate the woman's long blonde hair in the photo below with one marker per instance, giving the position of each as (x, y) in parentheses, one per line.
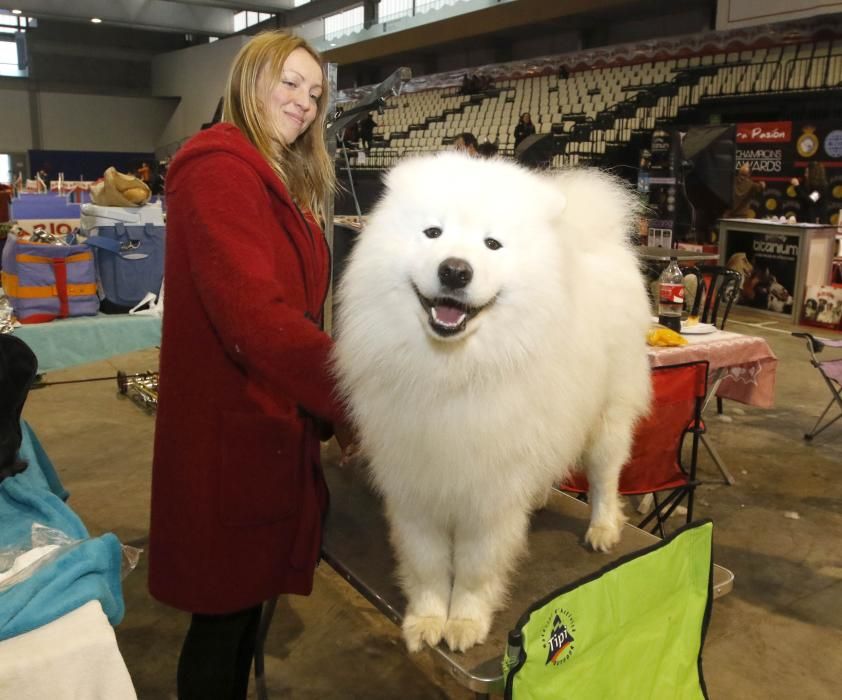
(304, 166)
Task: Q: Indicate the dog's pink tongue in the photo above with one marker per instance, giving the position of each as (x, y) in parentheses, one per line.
(449, 315)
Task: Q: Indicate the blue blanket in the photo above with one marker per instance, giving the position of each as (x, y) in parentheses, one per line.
(89, 570)
(42, 473)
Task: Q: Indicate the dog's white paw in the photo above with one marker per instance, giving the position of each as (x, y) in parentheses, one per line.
(462, 634)
(603, 535)
(418, 630)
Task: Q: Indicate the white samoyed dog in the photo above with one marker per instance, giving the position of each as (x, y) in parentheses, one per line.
(490, 336)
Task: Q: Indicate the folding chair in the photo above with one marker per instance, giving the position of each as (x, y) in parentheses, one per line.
(831, 371)
(656, 463)
(636, 629)
(719, 288)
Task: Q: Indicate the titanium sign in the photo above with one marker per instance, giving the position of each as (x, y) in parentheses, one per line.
(768, 263)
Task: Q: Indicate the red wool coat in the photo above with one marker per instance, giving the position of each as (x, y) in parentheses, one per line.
(237, 490)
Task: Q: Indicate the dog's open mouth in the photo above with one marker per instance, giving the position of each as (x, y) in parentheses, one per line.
(448, 316)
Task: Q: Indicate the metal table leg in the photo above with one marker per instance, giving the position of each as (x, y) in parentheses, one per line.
(714, 380)
(729, 479)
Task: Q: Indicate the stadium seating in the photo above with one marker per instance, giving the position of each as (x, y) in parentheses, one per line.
(594, 108)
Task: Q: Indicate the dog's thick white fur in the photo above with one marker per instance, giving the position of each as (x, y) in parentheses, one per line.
(491, 334)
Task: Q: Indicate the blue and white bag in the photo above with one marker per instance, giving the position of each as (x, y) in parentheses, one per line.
(129, 245)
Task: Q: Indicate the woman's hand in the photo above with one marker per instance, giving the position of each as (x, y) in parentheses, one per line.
(351, 455)
(346, 437)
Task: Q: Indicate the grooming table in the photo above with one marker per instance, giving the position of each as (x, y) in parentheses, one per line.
(75, 341)
(356, 545)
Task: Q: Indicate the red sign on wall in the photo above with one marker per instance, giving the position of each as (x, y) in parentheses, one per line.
(764, 132)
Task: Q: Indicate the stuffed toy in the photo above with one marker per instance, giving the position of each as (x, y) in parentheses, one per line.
(120, 190)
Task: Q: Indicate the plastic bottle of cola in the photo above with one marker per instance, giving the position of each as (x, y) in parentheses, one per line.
(671, 296)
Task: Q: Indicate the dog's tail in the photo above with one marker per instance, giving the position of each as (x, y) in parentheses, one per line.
(603, 206)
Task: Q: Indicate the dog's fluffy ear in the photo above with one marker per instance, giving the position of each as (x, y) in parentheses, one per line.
(555, 195)
(397, 175)
(599, 198)
(403, 177)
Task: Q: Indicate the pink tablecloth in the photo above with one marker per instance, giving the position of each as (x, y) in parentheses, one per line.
(747, 360)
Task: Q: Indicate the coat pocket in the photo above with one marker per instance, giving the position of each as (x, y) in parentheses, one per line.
(259, 478)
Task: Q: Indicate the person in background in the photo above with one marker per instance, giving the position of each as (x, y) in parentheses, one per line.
(351, 137)
(745, 190)
(812, 193)
(524, 128)
(487, 149)
(144, 173)
(470, 84)
(466, 142)
(367, 126)
(159, 177)
(245, 393)
(42, 177)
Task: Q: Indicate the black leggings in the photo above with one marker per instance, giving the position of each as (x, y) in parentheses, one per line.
(215, 660)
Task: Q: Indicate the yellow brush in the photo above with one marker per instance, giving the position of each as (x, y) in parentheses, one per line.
(661, 336)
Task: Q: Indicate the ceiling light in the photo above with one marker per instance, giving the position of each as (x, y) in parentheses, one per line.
(16, 12)
(96, 20)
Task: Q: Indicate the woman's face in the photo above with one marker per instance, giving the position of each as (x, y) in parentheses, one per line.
(293, 98)
(526, 118)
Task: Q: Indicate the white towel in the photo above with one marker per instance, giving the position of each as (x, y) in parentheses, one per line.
(75, 656)
(154, 304)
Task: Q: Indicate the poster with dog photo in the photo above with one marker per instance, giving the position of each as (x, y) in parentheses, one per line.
(823, 307)
(767, 264)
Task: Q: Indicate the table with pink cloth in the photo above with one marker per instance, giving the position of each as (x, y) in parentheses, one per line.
(740, 367)
(744, 364)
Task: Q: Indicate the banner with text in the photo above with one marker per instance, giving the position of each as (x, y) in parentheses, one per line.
(776, 152)
(769, 263)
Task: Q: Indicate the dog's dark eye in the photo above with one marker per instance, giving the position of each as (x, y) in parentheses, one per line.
(432, 232)
(493, 244)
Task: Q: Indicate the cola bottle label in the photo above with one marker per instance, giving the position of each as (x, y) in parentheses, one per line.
(671, 293)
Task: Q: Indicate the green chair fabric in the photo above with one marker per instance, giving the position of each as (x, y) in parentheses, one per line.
(632, 631)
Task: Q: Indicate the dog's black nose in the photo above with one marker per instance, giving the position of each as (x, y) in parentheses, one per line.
(455, 273)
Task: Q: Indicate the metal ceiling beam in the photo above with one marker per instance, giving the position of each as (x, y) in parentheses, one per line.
(315, 9)
(273, 6)
(161, 15)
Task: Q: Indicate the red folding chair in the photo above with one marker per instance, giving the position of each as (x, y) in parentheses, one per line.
(831, 371)
(656, 463)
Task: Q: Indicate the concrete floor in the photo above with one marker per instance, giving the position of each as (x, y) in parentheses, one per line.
(777, 635)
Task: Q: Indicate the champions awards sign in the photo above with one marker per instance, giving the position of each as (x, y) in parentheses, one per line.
(776, 152)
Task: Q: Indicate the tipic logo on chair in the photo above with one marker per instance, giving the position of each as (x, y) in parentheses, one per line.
(642, 624)
(558, 636)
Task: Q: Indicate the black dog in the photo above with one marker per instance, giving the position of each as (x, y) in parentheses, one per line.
(18, 367)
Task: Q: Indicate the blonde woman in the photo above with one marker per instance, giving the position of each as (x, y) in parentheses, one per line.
(238, 496)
